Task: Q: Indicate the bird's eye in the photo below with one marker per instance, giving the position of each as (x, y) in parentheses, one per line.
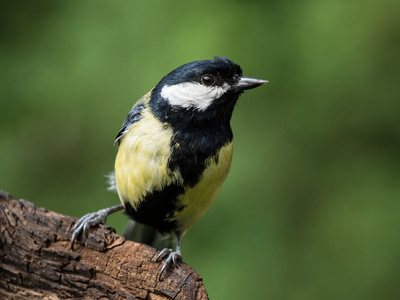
(207, 79)
(235, 78)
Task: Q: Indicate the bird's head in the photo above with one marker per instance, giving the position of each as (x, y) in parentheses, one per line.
(204, 87)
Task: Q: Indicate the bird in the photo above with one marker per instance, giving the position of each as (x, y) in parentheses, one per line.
(175, 150)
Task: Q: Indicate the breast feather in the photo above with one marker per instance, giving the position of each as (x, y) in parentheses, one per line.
(141, 165)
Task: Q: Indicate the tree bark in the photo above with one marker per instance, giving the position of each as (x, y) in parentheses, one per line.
(36, 261)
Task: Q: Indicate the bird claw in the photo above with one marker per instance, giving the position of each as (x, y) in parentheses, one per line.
(171, 261)
(82, 227)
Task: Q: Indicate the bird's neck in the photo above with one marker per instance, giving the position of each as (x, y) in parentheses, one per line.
(215, 118)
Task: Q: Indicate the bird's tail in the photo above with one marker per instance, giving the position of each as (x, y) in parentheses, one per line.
(147, 235)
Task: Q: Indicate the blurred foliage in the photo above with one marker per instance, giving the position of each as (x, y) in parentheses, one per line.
(311, 207)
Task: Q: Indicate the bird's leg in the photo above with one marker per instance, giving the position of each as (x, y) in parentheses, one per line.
(90, 220)
(172, 257)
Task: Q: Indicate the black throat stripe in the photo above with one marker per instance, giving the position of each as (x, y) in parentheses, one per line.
(192, 152)
(198, 135)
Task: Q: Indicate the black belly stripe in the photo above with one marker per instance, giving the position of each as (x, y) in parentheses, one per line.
(192, 152)
(157, 207)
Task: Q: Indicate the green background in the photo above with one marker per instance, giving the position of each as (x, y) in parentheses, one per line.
(311, 207)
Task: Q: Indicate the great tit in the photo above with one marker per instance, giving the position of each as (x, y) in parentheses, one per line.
(175, 150)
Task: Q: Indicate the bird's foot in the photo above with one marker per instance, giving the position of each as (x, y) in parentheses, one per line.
(171, 259)
(81, 228)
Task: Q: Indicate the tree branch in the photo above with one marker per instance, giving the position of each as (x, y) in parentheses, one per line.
(36, 261)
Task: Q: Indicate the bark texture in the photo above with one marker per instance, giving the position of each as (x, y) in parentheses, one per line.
(36, 261)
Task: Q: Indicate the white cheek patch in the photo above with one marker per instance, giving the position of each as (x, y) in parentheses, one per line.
(192, 94)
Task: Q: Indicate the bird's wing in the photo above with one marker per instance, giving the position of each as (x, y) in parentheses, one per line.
(134, 115)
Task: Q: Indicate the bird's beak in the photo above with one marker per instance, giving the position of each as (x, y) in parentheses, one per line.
(247, 83)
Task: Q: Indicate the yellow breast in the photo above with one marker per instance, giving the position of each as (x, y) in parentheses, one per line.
(141, 167)
(198, 199)
(141, 162)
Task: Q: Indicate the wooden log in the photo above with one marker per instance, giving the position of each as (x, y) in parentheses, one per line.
(36, 261)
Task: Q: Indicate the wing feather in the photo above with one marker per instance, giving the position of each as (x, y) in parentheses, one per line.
(134, 116)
